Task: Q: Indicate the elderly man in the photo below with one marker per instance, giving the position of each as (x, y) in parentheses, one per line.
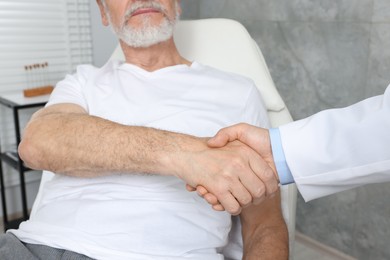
(119, 189)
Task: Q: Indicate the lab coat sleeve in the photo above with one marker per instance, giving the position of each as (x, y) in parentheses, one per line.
(340, 149)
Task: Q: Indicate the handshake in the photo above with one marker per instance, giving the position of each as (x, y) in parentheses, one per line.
(234, 170)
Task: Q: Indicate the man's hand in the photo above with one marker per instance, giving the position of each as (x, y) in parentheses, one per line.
(234, 173)
(256, 138)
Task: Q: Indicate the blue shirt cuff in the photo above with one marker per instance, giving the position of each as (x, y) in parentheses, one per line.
(285, 176)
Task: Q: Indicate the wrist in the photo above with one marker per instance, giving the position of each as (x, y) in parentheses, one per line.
(177, 158)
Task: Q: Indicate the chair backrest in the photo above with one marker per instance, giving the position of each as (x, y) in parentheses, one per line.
(227, 45)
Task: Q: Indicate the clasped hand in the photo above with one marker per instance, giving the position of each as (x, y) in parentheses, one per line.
(237, 171)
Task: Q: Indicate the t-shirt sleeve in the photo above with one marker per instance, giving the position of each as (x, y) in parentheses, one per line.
(255, 112)
(71, 89)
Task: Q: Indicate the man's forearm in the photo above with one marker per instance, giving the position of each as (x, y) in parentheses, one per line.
(81, 145)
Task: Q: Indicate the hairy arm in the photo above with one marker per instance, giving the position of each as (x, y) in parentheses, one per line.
(64, 139)
(264, 231)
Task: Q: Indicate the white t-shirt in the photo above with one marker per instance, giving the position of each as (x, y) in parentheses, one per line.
(132, 216)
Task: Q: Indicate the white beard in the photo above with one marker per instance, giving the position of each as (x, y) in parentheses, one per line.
(147, 34)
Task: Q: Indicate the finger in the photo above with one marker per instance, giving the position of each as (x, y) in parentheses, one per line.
(266, 174)
(254, 186)
(190, 188)
(201, 190)
(219, 140)
(241, 193)
(225, 135)
(230, 204)
(218, 207)
(211, 199)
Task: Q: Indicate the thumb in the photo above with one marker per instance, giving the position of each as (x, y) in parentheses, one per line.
(225, 135)
(219, 140)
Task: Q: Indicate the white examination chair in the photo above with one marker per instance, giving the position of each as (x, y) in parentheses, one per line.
(226, 44)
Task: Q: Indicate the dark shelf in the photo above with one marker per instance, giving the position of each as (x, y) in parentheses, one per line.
(16, 102)
(13, 224)
(12, 159)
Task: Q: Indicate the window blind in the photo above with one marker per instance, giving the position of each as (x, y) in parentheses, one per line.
(52, 32)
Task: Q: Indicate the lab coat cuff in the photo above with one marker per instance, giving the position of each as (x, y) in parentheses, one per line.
(285, 176)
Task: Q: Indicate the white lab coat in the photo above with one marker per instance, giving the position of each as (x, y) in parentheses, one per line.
(340, 149)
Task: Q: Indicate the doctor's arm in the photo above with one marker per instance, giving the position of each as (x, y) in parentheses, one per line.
(331, 151)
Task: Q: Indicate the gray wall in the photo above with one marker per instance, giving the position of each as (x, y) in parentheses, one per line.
(324, 54)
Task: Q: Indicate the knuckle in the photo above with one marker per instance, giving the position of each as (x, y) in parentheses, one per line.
(226, 180)
(246, 201)
(259, 192)
(268, 174)
(219, 193)
(222, 186)
(237, 162)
